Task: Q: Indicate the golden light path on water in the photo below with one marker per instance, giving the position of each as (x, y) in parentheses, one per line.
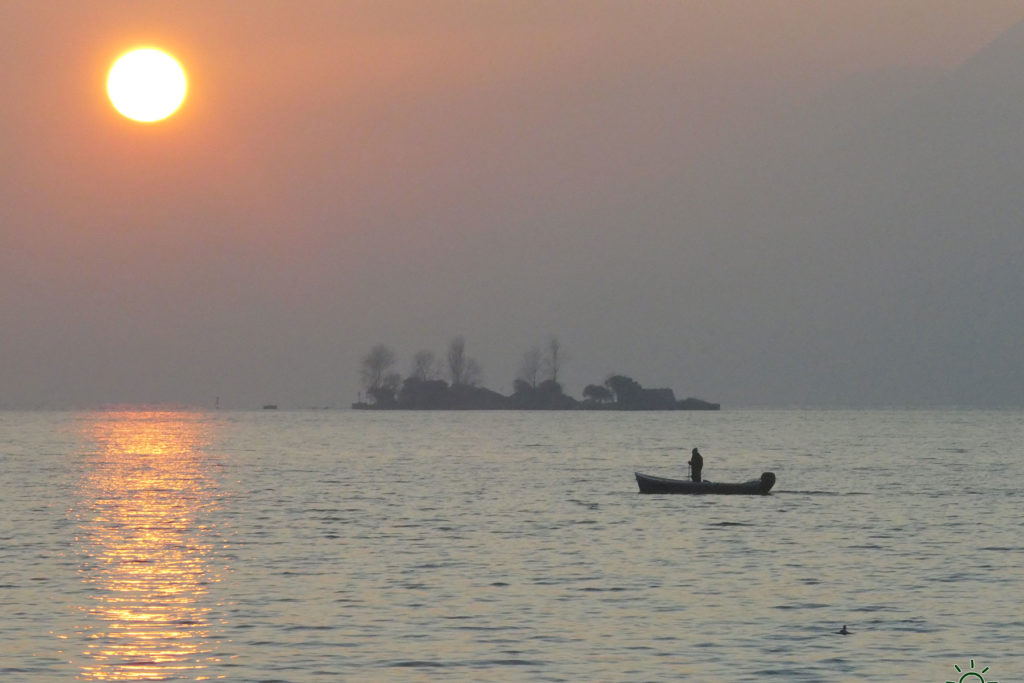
(146, 549)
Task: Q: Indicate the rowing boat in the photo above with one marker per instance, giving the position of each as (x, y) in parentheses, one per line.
(652, 484)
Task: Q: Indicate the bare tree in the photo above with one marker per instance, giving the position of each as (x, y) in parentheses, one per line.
(474, 374)
(425, 366)
(461, 368)
(555, 358)
(375, 366)
(529, 370)
(457, 360)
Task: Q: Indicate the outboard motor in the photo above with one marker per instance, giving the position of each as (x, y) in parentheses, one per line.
(767, 481)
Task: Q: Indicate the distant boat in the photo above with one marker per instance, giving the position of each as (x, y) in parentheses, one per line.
(651, 484)
(270, 406)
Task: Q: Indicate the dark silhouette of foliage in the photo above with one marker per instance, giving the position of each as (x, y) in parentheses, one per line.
(419, 393)
(547, 395)
(384, 393)
(521, 387)
(550, 387)
(423, 390)
(626, 389)
(597, 393)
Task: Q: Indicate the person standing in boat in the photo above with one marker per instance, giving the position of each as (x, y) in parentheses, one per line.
(696, 464)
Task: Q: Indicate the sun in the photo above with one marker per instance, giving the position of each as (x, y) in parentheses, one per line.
(146, 84)
(971, 676)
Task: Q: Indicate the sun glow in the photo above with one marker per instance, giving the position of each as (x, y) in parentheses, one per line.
(146, 85)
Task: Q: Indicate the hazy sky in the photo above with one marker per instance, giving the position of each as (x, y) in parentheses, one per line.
(782, 202)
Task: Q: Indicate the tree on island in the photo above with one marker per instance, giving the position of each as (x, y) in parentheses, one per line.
(423, 389)
(555, 359)
(630, 395)
(547, 395)
(531, 394)
(421, 394)
(425, 366)
(535, 362)
(380, 385)
(529, 369)
(596, 393)
(462, 370)
(626, 389)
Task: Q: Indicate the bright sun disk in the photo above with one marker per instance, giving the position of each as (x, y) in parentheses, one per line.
(146, 85)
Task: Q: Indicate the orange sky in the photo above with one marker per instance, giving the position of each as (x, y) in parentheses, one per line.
(344, 173)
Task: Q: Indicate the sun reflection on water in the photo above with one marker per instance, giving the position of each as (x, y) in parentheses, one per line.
(147, 547)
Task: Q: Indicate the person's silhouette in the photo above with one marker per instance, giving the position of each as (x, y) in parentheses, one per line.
(696, 464)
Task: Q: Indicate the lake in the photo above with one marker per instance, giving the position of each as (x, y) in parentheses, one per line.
(145, 544)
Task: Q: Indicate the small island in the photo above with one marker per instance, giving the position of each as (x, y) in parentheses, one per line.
(424, 388)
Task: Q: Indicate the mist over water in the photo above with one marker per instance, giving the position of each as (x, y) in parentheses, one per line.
(325, 546)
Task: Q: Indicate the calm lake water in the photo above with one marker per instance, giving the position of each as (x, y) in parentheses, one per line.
(355, 546)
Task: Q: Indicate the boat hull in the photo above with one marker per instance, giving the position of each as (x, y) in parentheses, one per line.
(754, 487)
